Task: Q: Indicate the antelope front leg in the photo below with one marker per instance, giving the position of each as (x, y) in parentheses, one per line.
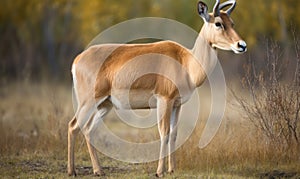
(164, 109)
(173, 135)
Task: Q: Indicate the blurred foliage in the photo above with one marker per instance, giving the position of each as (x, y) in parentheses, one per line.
(42, 37)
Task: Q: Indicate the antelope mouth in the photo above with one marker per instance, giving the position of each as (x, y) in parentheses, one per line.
(239, 51)
(239, 47)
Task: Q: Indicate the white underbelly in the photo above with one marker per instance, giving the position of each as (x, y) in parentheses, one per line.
(137, 99)
(133, 99)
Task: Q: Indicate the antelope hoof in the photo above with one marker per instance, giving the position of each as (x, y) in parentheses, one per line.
(171, 172)
(159, 175)
(99, 174)
(72, 174)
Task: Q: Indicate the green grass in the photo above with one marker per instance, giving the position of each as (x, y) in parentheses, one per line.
(33, 144)
(51, 166)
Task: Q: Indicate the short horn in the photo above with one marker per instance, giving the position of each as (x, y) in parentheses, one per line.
(216, 8)
(231, 3)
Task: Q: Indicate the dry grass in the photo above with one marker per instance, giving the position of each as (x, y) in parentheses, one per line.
(34, 117)
(33, 129)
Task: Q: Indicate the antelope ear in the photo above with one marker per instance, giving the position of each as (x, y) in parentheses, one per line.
(202, 10)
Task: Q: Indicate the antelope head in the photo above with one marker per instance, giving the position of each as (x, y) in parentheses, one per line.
(218, 27)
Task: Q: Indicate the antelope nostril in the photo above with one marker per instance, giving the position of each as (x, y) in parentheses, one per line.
(242, 44)
(239, 47)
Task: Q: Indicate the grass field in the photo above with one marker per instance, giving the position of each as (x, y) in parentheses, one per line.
(33, 129)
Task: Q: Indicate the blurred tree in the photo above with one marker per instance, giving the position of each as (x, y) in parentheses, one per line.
(269, 18)
(30, 32)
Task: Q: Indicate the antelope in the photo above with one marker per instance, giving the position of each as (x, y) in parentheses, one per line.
(95, 80)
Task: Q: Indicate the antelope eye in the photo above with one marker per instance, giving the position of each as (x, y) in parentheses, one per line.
(218, 24)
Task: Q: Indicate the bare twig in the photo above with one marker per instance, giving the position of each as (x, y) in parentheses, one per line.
(274, 108)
